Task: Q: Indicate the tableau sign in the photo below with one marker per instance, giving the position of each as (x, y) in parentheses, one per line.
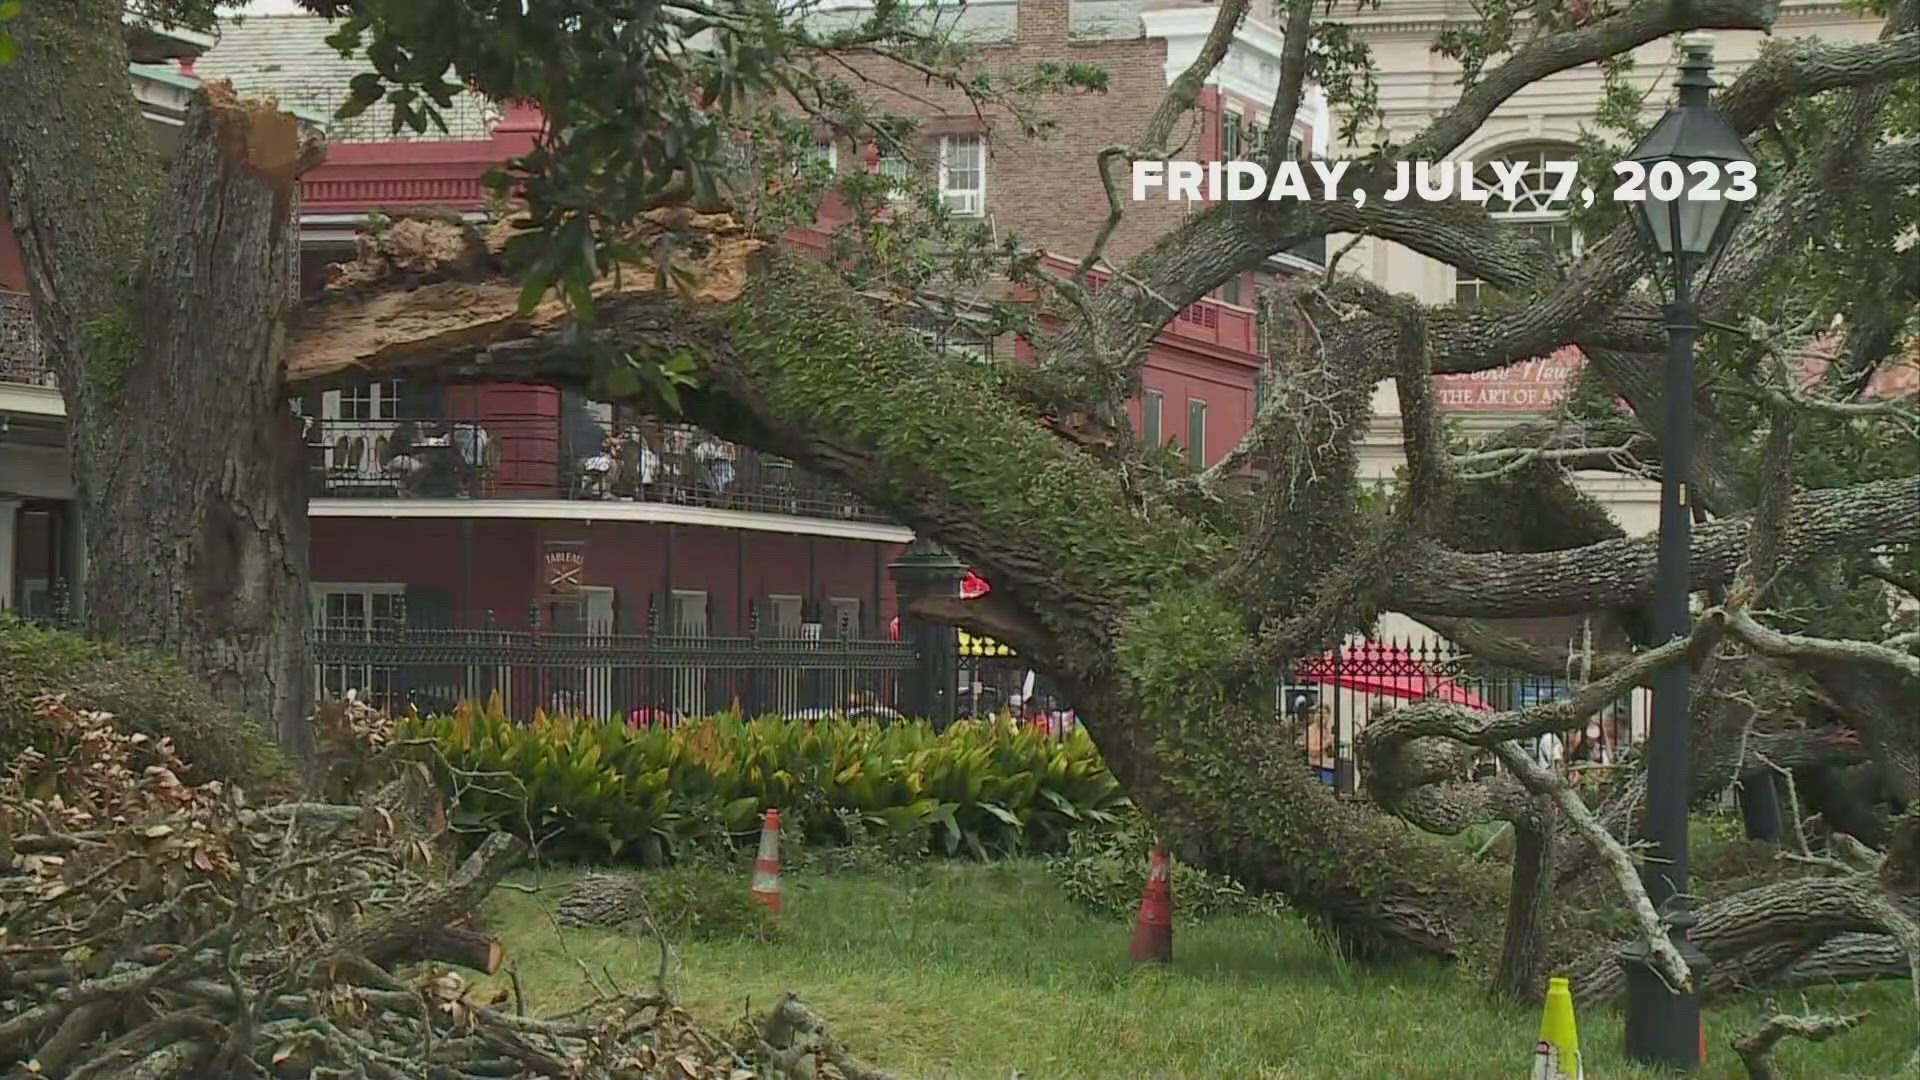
(1536, 385)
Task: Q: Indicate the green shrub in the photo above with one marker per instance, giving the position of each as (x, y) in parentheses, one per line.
(601, 789)
(705, 902)
(1105, 870)
(146, 695)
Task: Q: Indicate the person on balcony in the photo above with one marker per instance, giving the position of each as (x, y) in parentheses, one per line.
(402, 461)
(589, 450)
(470, 442)
(716, 461)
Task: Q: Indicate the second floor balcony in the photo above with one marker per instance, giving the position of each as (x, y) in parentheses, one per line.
(498, 442)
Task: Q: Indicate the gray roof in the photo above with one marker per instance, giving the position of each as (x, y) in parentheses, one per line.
(287, 55)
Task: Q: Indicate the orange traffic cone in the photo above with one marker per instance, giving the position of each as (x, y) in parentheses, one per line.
(1153, 930)
(766, 867)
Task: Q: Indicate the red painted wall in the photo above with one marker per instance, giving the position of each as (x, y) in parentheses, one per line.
(13, 275)
(735, 567)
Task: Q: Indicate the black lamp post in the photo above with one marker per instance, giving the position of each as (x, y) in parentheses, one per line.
(925, 569)
(1686, 157)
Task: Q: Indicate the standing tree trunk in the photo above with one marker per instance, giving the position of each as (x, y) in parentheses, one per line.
(162, 299)
(1523, 952)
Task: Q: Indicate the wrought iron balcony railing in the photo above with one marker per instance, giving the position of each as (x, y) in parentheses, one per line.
(548, 457)
(21, 357)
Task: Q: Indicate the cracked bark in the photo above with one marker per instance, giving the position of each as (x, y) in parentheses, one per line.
(162, 298)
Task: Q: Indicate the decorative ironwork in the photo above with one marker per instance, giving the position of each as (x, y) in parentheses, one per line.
(1325, 701)
(607, 675)
(22, 356)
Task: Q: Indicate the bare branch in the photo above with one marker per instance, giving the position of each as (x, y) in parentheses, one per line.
(1756, 1047)
(1293, 78)
(1666, 959)
(1773, 643)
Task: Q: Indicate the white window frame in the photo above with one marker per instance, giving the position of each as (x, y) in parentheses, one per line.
(382, 400)
(968, 201)
(675, 596)
(1239, 119)
(1530, 208)
(774, 603)
(896, 167)
(835, 604)
(1153, 410)
(320, 591)
(356, 677)
(1197, 448)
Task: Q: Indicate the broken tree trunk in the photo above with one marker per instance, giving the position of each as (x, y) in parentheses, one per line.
(162, 299)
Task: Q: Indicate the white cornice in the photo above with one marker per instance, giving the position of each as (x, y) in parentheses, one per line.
(574, 510)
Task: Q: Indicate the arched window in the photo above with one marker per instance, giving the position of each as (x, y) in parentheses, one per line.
(1532, 212)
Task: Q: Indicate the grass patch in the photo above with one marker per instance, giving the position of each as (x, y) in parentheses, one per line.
(971, 971)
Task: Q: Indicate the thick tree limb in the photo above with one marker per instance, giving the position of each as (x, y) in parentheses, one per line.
(405, 931)
(1616, 572)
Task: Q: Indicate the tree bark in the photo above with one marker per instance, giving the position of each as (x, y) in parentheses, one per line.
(162, 300)
(1530, 899)
(418, 929)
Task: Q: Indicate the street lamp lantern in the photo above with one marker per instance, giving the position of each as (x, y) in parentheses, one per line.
(1691, 162)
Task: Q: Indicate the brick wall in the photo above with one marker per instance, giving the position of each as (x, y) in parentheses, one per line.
(1047, 190)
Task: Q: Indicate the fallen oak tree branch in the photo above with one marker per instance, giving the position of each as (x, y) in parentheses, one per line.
(1756, 1047)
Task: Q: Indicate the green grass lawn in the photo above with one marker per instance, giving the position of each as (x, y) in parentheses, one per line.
(971, 971)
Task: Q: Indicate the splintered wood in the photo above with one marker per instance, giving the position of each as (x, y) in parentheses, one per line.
(429, 287)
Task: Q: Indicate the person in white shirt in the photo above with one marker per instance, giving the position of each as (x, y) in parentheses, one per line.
(1549, 750)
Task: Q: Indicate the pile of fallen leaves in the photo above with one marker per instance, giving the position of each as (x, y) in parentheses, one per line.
(153, 927)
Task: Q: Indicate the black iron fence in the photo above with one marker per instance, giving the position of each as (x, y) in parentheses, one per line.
(1326, 701)
(648, 678)
(561, 457)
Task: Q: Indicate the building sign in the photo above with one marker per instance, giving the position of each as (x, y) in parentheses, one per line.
(566, 559)
(1536, 385)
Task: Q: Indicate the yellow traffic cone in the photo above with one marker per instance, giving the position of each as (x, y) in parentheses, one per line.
(1557, 1056)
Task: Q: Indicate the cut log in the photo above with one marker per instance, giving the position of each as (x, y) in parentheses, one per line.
(391, 934)
(602, 900)
(455, 945)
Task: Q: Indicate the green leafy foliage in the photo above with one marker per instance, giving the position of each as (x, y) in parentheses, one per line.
(602, 789)
(1106, 869)
(9, 11)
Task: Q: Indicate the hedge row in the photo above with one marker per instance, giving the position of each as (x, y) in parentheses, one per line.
(602, 789)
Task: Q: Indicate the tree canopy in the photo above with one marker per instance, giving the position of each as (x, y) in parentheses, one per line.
(1161, 596)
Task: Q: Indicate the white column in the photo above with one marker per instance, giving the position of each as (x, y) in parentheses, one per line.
(9, 519)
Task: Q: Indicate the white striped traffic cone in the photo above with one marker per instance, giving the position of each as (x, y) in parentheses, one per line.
(766, 867)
